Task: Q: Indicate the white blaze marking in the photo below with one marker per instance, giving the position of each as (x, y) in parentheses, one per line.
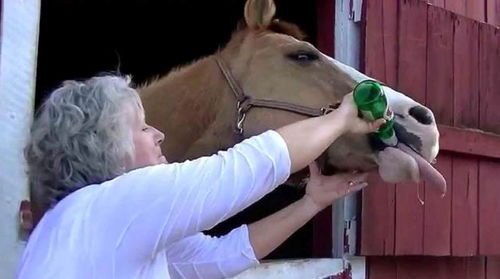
(393, 96)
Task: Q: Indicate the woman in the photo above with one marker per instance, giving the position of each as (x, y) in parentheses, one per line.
(118, 210)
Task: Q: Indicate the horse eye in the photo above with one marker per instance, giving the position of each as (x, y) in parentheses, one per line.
(303, 56)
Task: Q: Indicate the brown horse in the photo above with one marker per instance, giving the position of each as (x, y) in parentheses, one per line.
(266, 77)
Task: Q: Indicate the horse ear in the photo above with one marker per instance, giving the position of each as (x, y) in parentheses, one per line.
(259, 13)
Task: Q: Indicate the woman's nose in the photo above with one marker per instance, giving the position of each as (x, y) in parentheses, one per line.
(160, 136)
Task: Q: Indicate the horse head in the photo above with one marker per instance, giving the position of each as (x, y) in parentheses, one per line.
(269, 77)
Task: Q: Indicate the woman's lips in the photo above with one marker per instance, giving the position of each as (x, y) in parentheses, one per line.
(163, 159)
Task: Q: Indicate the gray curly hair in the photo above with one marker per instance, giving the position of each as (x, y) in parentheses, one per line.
(81, 135)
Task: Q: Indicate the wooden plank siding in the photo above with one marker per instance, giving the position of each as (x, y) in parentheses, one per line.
(480, 10)
(437, 210)
(493, 268)
(469, 141)
(381, 267)
(493, 12)
(457, 6)
(381, 63)
(451, 64)
(416, 267)
(411, 69)
(465, 114)
(489, 120)
(476, 10)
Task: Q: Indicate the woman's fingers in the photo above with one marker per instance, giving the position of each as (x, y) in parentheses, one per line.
(357, 182)
(346, 183)
(354, 177)
(314, 169)
(356, 187)
(323, 190)
(358, 125)
(375, 125)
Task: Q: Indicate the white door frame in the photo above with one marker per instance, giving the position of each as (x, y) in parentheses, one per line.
(347, 50)
(18, 51)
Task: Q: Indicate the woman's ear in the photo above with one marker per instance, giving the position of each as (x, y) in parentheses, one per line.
(259, 13)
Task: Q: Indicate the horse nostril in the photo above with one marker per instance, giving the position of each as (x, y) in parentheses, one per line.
(421, 114)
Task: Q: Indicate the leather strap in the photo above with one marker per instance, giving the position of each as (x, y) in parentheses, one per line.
(246, 102)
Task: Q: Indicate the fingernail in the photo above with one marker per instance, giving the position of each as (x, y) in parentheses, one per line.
(361, 185)
(357, 187)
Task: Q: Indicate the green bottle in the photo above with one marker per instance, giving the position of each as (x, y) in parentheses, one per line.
(370, 98)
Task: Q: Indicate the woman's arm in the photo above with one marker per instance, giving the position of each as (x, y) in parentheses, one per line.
(219, 257)
(268, 233)
(202, 256)
(307, 139)
(147, 209)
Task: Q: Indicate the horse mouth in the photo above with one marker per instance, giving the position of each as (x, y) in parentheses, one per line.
(405, 161)
(409, 139)
(402, 163)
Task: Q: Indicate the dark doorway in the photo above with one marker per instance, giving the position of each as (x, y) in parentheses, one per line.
(146, 38)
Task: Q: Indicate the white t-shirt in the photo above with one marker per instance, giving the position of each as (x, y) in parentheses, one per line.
(146, 223)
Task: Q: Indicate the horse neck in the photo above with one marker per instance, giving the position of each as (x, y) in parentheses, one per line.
(194, 107)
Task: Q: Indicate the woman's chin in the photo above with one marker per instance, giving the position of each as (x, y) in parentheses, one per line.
(163, 160)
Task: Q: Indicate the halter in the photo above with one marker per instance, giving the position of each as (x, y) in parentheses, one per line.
(244, 102)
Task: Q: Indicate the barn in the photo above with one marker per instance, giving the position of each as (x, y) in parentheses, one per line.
(443, 53)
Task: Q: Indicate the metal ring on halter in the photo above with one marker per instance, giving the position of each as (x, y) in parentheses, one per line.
(326, 110)
(240, 119)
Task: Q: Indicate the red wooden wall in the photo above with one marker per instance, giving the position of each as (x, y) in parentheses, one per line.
(421, 267)
(452, 64)
(481, 10)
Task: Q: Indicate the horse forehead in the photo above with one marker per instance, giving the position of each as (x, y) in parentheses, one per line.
(275, 42)
(394, 96)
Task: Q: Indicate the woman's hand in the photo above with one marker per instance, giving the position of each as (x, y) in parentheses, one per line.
(322, 190)
(308, 139)
(268, 233)
(348, 112)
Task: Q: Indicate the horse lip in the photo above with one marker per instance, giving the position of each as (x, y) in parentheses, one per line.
(403, 138)
(409, 139)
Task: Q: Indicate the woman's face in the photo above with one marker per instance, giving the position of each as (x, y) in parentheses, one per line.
(147, 141)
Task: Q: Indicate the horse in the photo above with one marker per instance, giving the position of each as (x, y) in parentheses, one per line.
(267, 76)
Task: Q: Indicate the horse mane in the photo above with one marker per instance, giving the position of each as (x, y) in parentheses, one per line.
(287, 28)
(280, 27)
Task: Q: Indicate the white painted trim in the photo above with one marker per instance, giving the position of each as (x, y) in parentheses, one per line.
(305, 268)
(357, 7)
(18, 51)
(347, 51)
(358, 267)
(347, 33)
